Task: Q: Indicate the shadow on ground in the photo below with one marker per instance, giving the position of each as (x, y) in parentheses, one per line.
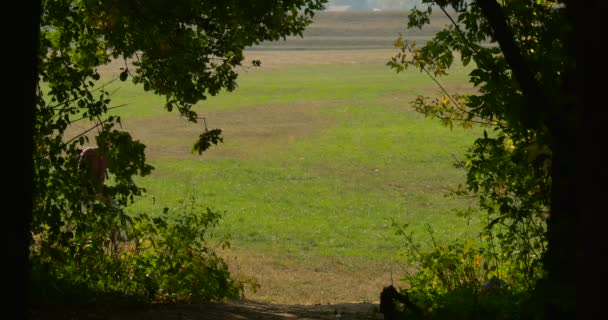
(230, 310)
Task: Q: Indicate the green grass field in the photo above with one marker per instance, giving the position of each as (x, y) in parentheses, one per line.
(317, 158)
(321, 152)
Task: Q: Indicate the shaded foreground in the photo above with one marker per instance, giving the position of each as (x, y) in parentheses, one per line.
(238, 309)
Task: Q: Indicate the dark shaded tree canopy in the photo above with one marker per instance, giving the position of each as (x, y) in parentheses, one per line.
(535, 86)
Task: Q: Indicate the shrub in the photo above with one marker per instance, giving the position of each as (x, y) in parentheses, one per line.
(447, 279)
(165, 258)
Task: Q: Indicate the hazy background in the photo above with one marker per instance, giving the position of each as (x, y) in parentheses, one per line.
(369, 5)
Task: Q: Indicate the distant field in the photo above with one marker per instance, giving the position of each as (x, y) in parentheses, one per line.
(322, 151)
(357, 30)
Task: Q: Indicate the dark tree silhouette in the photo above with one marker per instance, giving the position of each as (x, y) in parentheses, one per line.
(20, 86)
(554, 95)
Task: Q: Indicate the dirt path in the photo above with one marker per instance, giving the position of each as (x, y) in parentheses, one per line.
(231, 310)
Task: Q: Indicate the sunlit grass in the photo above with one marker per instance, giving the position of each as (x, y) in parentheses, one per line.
(355, 164)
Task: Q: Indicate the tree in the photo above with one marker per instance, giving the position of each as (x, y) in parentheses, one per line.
(529, 94)
(183, 50)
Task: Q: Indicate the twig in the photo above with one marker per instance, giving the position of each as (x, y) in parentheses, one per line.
(436, 81)
(76, 99)
(457, 28)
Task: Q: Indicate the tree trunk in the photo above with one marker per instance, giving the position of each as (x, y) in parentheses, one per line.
(20, 73)
(558, 290)
(574, 260)
(591, 197)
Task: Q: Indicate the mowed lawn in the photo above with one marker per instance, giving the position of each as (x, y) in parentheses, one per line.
(322, 152)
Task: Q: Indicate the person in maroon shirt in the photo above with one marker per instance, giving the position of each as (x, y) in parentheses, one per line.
(94, 166)
(94, 169)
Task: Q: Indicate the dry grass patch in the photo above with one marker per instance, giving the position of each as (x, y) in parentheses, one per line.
(247, 132)
(308, 280)
(277, 59)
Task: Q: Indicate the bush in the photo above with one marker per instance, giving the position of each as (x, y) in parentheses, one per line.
(166, 258)
(174, 259)
(448, 279)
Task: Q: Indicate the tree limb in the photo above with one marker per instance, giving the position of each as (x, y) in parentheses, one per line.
(529, 86)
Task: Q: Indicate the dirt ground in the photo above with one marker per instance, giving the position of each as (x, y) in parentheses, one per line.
(276, 59)
(229, 310)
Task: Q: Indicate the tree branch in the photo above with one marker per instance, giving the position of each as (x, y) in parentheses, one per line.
(457, 28)
(491, 122)
(530, 114)
(436, 81)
